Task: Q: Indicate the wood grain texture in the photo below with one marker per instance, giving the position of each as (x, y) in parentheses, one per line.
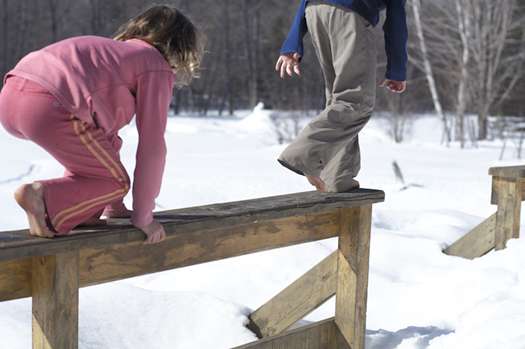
(55, 301)
(99, 265)
(15, 279)
(496, 183)
(19, 244)
(508, 171)
(509, 211)
(478, 242)
(319, 335)
(352, 282)
(298, 299)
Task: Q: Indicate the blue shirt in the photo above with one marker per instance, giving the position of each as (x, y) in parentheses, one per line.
(395, 29)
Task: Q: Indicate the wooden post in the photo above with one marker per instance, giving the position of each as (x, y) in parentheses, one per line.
(55, 282)
(352, 280)
(506, 193)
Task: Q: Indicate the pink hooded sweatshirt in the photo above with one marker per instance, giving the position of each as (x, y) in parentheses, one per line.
(105, 82)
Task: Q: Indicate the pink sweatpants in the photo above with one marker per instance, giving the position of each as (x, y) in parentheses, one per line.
(94, 176)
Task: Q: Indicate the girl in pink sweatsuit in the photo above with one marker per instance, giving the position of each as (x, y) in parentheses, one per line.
(73, 97)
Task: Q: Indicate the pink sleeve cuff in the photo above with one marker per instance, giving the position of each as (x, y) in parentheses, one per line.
(141, 220)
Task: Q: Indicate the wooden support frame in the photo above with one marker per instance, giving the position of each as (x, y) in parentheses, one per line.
(343, 273)
(507, 195)
(508, 191)
(51, 271)
(352, 274)
(55, 301)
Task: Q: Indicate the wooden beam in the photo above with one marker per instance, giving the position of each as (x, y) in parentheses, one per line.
(19, 244)
(181, 248)
(352, 282)
(478, 242)
(319, 335)
(15, 279)
(55, 301)
(508, 171)
(297, 300)
(508, 194)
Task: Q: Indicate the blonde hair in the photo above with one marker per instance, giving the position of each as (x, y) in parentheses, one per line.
(172, 34)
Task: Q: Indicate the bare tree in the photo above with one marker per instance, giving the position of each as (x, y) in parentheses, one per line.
(498, 60)
(427, 68)
(463, 21)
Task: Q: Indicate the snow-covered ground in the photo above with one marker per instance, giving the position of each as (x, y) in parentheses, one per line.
(418, 297)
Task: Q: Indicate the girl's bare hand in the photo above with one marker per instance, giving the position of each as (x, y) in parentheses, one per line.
(155, 233)
(288, 64)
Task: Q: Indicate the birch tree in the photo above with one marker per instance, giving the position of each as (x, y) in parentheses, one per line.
(497, 53)
(463, 20)
(427, 68)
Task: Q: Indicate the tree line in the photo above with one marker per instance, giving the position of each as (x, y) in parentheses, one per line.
(466, 56)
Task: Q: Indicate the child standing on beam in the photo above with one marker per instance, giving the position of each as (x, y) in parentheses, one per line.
(327, 149)
(72, 97)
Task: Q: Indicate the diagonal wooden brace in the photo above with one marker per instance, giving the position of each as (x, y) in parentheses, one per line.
(297, 300)
(477, 242)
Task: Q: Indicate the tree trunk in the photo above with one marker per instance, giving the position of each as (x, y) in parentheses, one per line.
(461, 103)
(483, 124)
(416, 7)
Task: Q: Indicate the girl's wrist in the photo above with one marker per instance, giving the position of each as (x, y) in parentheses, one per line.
(141, 220)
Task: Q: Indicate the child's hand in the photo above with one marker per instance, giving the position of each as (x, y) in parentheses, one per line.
(289, 64)
(394, 85)
(155, 232)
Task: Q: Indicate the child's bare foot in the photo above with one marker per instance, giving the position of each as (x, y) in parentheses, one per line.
(31, 198)
(317, 182)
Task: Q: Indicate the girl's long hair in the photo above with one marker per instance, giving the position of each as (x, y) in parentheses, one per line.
(172, 34)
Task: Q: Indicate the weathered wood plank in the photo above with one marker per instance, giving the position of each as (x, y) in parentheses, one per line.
(508, 214)
(340, 340)
(353, 266)
(55, 301)
(19, 244)
(478, 242)
(15, 279)
(181, 248)
(297, 300)
(508, 171)
(319, 335)
(496, 183)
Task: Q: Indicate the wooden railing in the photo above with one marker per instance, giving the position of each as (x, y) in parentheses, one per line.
(508, 191)
(52, 271)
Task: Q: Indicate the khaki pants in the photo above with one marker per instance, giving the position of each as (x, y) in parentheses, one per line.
(328, 147)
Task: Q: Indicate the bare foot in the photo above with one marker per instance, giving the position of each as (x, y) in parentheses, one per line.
(31, 198)
(317, 182)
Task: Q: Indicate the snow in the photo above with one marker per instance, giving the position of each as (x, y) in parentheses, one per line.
(419, 298)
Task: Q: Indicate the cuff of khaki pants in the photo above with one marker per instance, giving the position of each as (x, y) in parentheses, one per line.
(290, 167)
